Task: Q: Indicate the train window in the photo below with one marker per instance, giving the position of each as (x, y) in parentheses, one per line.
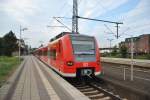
(40, 53)
(48, 53)
(84, 48)
(45, 53)
(53, 54)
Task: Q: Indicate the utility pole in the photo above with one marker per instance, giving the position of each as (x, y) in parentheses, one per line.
(74, 17)
(132, 58)
(20, 43)
(117, 26)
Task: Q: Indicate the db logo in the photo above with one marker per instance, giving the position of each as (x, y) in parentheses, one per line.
(85, 64)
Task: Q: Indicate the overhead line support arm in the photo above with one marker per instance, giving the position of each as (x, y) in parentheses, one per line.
(99, 20)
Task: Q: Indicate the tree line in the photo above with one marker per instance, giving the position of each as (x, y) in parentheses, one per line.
(8, 44)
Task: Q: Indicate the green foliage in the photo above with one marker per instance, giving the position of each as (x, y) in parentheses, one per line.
(7, 65)
(123, 51)
(1, 46)
(8, 44)
(143, 56)
(114, 51)
(148, 56)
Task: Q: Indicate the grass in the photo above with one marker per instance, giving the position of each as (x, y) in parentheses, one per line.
(146, 56)
(7, 67)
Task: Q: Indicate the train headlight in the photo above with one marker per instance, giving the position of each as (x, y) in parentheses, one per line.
(69, 63)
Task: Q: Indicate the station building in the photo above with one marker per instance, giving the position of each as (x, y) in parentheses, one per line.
(141, 44)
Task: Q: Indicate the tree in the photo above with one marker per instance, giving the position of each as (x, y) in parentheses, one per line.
(114, 51)
(123, 51)
(10, 43)
(1, 46)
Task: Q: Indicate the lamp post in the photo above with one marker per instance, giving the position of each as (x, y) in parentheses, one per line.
(21, 30)
(132, 58)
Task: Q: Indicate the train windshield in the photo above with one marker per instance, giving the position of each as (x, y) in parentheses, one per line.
(84, 48)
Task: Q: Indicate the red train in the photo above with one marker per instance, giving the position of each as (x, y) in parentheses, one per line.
(72, 55)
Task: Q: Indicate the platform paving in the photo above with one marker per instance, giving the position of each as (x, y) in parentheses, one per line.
(140, 85)
(34, 80)
(31, 85)
(137, 62)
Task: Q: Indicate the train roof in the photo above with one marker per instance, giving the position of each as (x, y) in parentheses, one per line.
(64, 33)
(42, 48)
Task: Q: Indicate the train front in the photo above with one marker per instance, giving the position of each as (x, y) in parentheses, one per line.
(86, 55)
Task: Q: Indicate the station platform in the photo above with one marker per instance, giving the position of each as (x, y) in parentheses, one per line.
(35, 81)
(137, 62)
(117, 72)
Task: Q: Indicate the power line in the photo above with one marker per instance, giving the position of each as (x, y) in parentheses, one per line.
(99, 20)
(62, 23)
(108, 28)
(64, 18)
(54, 26)
(117, 23)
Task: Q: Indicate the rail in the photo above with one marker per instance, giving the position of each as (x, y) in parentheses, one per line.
(92, 87)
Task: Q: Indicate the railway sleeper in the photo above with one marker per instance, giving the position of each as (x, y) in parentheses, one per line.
(83, 87)
(106, 98)
(79, 84)
(96, 96)
(91, 92)
(87, 90)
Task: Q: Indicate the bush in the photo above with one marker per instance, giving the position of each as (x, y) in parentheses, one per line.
(148, 56)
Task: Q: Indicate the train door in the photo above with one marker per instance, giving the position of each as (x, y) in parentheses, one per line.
(53, 55)
(48, 54)
(45, 57)
(59, 55)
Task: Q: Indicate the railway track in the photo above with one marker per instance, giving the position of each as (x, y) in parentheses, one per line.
(94, 89)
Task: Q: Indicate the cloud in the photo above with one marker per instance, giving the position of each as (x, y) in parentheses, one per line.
(138, 18)
(35, 14)
(19, 9)
(96, 8)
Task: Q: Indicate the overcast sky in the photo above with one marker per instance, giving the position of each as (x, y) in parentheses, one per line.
(37, 14)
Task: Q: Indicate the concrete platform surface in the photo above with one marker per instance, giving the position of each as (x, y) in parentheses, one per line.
(35, 81)
(137, 89)
(137, 62)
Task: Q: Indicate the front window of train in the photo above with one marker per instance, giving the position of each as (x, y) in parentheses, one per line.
(84, 48)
